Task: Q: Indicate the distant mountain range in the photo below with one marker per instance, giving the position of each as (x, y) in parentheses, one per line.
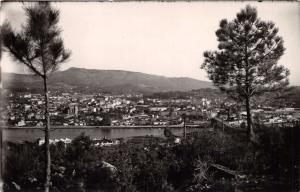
(113, 81)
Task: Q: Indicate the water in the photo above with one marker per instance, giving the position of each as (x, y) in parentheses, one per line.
(31, 134)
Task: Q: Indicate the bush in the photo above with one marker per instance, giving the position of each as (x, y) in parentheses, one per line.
(154, 164)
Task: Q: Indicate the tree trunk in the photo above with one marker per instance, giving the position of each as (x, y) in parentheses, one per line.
(47, 137)
(250, 131)
(184, 127)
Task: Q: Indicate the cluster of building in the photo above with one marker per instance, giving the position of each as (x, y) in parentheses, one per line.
(78, 109)
(261, 115)
(96, 142)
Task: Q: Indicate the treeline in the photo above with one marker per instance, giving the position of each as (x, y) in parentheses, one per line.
(206, 161)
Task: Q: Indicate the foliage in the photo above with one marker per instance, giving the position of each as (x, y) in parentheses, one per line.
(246, 63)
(23, 166)
(38, 45)
(153, 164)
(248, 53)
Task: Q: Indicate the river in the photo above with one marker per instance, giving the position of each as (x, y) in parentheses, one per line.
(32, 133)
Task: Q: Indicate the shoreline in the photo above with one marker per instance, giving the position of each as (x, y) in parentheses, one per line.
(107, 127)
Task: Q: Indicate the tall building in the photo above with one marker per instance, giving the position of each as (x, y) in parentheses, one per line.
(73, 109)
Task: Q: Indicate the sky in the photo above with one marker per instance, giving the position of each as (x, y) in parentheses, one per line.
(155, 37)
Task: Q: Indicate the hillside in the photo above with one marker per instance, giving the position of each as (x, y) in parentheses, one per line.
(114, 81)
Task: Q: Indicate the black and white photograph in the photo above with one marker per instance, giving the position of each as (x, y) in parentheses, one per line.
(152, 96)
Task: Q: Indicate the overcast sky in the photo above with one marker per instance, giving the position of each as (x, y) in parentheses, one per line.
(156, 37)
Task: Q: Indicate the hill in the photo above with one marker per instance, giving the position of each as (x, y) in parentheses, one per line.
(114, 81)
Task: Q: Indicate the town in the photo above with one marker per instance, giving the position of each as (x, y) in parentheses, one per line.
(195, 108)
(152, 96)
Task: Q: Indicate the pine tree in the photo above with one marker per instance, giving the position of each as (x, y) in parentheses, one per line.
(246, 62)
(38, 46)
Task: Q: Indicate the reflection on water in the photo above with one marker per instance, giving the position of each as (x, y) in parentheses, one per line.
(30, 134)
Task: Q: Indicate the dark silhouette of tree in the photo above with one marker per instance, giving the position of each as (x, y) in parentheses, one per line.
(38, 46)
(246, 62)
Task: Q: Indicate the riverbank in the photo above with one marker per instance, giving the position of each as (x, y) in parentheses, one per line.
(108, 127)
(31, 134)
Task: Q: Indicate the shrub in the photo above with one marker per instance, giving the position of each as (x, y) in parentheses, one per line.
(152, 164)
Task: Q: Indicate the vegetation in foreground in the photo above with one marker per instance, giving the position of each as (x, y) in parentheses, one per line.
(206, 161)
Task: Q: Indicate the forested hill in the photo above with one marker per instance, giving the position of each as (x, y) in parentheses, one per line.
(114, 81)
